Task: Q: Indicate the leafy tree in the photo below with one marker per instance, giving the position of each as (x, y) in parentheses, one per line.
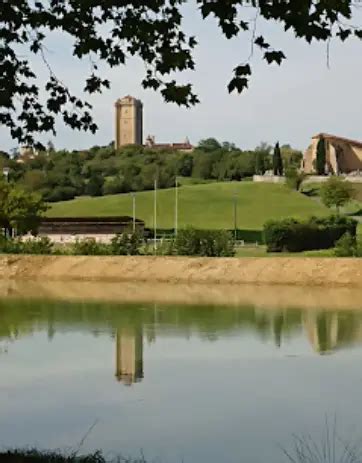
(19, 209)
(95, 186)
(277, 161)
(291, 157)
(321, 157)
(336, 192)
(152, 30)
(294, 178)
(259, 163)
(208, 145)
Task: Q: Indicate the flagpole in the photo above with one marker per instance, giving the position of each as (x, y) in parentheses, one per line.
(176, 206)
(155, 218)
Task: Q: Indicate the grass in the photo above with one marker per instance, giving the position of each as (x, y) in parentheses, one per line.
(354, 207)
(260, 251)
(209, 206)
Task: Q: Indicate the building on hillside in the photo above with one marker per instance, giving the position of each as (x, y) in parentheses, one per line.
(128, 122)
(129, 127)
(26, 153)
(185, 147)
(343, 155)
(68, 229)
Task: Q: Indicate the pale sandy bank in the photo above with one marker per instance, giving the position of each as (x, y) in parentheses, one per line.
(262, 297)
(328, 272)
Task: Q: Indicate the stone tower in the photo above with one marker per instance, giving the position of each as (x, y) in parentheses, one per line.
(129, 122)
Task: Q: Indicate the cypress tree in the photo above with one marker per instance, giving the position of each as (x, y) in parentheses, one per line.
(321, 157)
(277, 161)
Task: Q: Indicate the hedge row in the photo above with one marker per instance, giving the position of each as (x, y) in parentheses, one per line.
(291, 235)
(189, 242)
(206, 243)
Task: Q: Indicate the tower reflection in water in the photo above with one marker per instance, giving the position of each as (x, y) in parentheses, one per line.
(129, 355)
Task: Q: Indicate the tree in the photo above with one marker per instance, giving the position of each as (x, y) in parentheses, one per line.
(277, 161)
(336, 192)
(209, 145)
(294, 178)
(260, 163)
(19, 209)
(95, 186)
(152, 30)
(321, 157)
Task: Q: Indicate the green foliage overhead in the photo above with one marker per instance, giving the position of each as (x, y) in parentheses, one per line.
(152, 30)
(321, 157)
(336, 192)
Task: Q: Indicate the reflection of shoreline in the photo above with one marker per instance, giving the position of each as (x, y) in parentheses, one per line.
(260, 296)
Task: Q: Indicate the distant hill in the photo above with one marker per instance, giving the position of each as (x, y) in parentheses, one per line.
(209, 206)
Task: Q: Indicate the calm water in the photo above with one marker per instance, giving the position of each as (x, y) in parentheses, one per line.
(179, 383)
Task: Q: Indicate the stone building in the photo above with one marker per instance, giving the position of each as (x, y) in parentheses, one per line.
(128, 122)
(184, 147)
(343, 155)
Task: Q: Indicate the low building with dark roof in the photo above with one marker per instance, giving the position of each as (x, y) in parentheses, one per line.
(67, 229)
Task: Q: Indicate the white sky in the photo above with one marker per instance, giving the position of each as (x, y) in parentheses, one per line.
(288, 103)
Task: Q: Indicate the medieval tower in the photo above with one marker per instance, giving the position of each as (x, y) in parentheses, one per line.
(129, 122)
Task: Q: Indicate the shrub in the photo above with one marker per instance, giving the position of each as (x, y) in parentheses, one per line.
(124, 244)
(41, 245)
(294, 178)
(345, 246)
(90, 247)
(317, 233)
(207, 243)
(59, 193)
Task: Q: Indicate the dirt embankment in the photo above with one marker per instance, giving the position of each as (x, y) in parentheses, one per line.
(270, 271)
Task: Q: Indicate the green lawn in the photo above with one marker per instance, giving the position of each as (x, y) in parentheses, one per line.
(260, 251)
(202, 206)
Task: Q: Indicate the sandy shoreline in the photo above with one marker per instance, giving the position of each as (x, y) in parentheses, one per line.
(299, 271)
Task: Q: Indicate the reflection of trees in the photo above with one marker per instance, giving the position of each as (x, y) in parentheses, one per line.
(132, 323)
(329, 331)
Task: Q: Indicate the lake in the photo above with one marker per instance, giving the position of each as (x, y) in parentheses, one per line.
(177, 382)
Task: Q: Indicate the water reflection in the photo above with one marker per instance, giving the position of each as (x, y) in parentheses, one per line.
(129, 355)
(131, 326)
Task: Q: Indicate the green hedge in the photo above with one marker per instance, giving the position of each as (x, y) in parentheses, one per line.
(206, 243)
(290, 235)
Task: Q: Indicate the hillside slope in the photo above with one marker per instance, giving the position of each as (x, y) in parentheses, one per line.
(203, 206)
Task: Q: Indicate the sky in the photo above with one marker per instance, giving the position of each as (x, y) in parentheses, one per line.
(288, 104)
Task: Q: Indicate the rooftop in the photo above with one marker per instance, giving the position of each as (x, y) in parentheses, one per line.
(328, 136)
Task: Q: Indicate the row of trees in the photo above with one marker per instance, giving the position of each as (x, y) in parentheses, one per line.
(62, 175)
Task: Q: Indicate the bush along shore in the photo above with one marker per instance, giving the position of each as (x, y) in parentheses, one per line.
(337, 233)
(291, 235)
(189, 242)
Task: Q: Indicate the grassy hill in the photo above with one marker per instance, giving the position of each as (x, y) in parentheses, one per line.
(203, 206)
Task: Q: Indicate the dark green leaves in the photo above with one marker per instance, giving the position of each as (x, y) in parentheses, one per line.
(274, 57)
(110, 31)
(238, 84)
